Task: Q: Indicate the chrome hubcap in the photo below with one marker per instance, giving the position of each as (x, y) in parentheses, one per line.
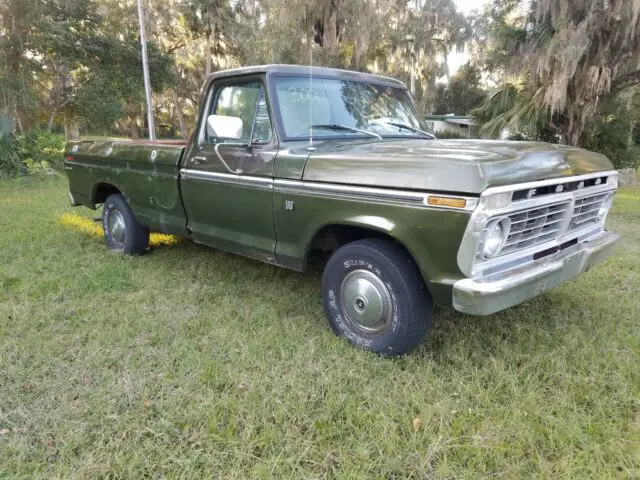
(116, 226)
(366, 301)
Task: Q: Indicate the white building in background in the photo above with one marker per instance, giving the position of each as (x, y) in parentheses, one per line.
(459, 126)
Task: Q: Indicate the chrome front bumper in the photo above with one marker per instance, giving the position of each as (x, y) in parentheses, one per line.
(492, 294)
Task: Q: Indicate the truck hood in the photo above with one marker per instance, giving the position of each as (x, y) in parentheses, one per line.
(460, 166)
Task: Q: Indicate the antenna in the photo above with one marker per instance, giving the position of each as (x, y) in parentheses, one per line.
(310, 92)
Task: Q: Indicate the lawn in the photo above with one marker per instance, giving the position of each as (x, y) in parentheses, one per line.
(189, 363)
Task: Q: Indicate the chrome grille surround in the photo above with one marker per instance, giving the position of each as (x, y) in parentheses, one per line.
(585, 210)
(538, 224)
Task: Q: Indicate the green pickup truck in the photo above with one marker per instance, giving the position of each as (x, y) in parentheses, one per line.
(290, 162)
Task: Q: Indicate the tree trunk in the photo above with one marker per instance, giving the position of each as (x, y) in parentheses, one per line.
(59, 93)
(52, 117)
(632, 124)
(15, 61)
(330, 22)
(133, 127)
(207, 56)
(178, 109)
(72, 131)
(573, 128)
(15, 55)
(209, 47)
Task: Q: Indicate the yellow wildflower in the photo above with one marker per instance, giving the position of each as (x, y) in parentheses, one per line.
(93, 229)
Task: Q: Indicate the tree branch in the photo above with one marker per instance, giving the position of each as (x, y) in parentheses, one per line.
(176, 46)
(625, 81)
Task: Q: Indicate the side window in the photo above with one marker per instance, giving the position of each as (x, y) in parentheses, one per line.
(247, 102)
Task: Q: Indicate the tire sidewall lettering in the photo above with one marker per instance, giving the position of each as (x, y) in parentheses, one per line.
(333, 304)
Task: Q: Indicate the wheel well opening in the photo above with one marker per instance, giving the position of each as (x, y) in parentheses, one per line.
(330, 238)
(102, 191)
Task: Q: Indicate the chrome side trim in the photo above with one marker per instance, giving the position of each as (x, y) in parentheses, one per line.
(346, 191)
(263, 183)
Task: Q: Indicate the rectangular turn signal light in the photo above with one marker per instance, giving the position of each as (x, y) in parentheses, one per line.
(446, 202)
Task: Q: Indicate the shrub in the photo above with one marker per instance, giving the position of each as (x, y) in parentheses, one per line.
(448, 134)
(33, 153)
(612, 139)
(42, 150)
(613, 134)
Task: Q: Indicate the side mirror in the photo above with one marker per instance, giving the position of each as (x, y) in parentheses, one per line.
(221, 126)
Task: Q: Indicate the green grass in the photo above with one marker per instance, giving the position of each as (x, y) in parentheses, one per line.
(190, 363)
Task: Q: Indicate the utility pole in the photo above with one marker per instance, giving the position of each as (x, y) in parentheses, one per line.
(145, 72)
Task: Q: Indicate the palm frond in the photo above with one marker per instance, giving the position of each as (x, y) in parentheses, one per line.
(514, 106)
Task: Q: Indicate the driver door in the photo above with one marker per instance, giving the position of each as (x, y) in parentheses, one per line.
(227, 182)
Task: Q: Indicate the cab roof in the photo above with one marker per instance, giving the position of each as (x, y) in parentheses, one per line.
(305, 70)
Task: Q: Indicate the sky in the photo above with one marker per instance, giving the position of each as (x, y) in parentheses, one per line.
(465, 6)
(457, 59)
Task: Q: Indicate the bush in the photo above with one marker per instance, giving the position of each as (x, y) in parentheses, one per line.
(613, 135)
(450, 135)
(615, 147)
(10, 161)
(33, 153)
(42, 150)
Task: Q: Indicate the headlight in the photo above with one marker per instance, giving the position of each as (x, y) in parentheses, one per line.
(495, 236)
(604, 208)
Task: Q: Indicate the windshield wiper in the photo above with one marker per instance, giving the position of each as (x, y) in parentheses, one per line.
(413, 129)
(347, 128)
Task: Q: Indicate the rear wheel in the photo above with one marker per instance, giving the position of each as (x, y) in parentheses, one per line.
(375, 297)
(122, 231)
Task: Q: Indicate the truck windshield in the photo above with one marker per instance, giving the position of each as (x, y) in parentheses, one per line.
(334, 107)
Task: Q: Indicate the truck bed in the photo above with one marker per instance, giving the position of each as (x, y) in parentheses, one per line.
(147, 171)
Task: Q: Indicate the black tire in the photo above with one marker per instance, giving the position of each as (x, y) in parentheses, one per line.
(122, 231)
(354, 281)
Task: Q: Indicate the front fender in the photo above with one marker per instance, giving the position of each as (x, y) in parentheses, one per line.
(432, 236)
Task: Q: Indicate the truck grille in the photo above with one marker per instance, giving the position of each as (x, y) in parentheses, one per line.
(535, 226)
(585, 211)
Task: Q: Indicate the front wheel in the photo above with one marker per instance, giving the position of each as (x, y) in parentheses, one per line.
(375, 297)
(121, 229)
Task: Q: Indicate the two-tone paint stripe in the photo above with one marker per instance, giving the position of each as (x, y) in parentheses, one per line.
(331, 190)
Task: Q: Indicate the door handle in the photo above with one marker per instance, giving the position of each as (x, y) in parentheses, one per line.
(198, 160)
